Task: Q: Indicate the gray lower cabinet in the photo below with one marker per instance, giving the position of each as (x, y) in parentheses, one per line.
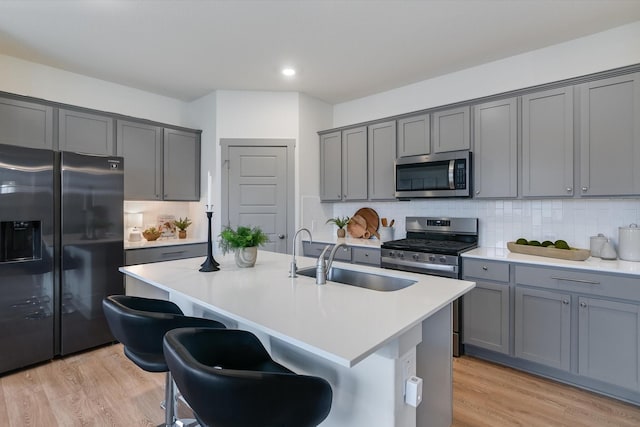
(331, 167)
(181, 166)
(86, 133)
(609, 136)
(367, 256)
(26, 124)
(547, 143)
(164, 253)
(414, 137)
(451, 130)
(354, 164)
(381, 157)
(542, 327)
(141, 146)
(496, 149)
(609, 341)
(486, 308)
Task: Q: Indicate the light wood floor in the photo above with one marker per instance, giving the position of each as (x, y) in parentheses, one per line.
(103, 388)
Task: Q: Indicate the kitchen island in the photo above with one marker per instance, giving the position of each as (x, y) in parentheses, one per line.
(365, 343)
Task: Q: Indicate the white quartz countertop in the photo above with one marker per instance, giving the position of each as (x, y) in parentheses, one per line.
(333, 239)
(591, 263)
(342, 323)
(161, 242)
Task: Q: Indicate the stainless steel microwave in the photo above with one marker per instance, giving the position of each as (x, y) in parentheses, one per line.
(435, 175)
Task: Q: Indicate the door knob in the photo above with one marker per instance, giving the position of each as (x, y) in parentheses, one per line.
(280, 236)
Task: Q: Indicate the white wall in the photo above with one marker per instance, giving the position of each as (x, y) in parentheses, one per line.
(52, 84)
(598, 52)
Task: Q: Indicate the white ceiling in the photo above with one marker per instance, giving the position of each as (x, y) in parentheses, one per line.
(342, 49)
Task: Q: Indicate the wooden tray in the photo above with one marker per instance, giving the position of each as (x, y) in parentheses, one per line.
(372, 219)
(357, 227)
(573, 254)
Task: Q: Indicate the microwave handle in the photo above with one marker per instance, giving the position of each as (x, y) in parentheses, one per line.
(452, 184)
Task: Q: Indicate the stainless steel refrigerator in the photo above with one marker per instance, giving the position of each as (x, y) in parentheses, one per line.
(61, 243)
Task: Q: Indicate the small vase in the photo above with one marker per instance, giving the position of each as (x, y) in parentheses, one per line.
(182, 234)
(246, 257)
(341, 232)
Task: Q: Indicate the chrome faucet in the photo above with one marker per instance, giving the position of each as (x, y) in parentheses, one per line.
(293, 269)
(324, 267)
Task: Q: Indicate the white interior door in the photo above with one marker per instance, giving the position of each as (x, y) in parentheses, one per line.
(259, 189)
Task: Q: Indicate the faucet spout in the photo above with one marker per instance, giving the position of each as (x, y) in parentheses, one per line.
(293, 268)
(324, 267)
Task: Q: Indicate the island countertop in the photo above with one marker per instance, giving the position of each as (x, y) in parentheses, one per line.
(341, 323)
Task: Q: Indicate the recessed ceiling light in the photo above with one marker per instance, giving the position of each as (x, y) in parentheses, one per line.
(288, 71)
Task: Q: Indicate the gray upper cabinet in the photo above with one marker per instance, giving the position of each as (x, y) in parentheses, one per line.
(26, 124)
(495, 149)
(85, 133)
(547, 143)
(413, 136)
(181, 172)
(354, 164)
(609, 341)
(451, 130)
(331, 167)
(610, 136)
(543, 327)
(141, 146)
(382, 151)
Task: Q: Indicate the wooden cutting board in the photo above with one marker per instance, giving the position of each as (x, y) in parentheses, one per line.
(372, 220)
(357, 226)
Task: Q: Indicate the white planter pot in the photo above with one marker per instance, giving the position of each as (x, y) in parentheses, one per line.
(246, 257)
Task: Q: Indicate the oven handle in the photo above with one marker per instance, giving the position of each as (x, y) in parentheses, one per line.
(435, 267)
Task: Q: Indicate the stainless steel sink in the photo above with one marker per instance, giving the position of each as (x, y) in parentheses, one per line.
(376, 282)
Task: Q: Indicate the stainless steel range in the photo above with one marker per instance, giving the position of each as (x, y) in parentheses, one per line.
(433, 246)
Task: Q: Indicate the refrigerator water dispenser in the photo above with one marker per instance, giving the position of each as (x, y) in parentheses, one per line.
(20, 241)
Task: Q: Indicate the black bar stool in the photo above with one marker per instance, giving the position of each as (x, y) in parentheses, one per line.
(229, 380)
(140, 324)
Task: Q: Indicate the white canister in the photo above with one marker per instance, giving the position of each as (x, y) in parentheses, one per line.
(629, 243)
(596, 244)
(386, 233)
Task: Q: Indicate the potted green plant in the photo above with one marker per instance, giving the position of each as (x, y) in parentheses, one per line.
(182, 225)
(244, 241)
(341, 222)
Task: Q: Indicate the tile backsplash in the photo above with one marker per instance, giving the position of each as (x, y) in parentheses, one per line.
(500, 221)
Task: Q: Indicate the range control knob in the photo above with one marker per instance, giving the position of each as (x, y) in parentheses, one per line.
(432, 258)
(400, 254)
(391, 254)
(443, 259)
(416, 257)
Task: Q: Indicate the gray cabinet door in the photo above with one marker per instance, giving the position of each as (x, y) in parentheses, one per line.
(495, 149)
(543, 327)
(26, 124)
(547, 143)
(85, 133)
(181, 172)
(141, 146)
(354, 163)
(610, 136)
(486, 316)
(414, 136)
(609, 341)
(382, 153)
(451, 130)
(331, 167)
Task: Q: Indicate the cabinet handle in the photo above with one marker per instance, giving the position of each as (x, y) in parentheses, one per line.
(584, 189)
(366, 254)
(589, 282)
(565, 301)
(485, 268)
(583, 304)
(281, 236)
(477, 191)
(338, 196)
(569, 189)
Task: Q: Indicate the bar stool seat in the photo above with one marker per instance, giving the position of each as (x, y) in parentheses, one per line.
(229, 380)
(140, 325)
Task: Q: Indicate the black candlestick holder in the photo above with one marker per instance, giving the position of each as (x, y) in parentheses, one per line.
(209, 264)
